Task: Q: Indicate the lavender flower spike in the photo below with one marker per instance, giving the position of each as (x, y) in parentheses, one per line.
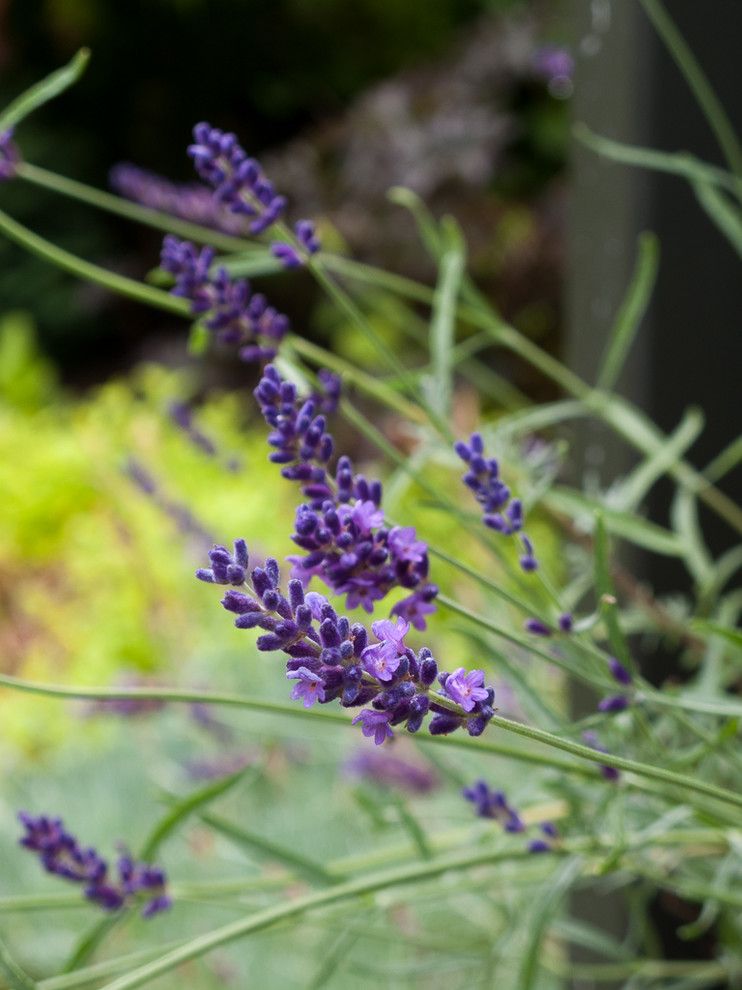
(290, 256)
(493, 804)
(60, 853)
(332, 659)
(10, 156)
(618, 672)
(501, 511)
(230, 309)
(238, 181)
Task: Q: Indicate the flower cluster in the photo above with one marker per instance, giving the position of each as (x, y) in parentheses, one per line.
(331, 659)
(537, 627)
(307, 240)
(60, 853)
(341, 528)
(493, 804)
(190, 201)
(238, 180)
(616, 702)
(230, 309)
(502, 512)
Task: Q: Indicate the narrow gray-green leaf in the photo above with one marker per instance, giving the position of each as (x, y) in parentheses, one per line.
(607, 597)
(256, 843)
(684, 516)
(44, 90)
(443, 320)
(675, 163)
(733, 636)
(721, 212)
(630, 527)
(638, 483)
(17, 977)
(547, 904)
(631, 312)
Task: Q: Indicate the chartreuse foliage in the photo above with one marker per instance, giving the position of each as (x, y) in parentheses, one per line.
(283, 866)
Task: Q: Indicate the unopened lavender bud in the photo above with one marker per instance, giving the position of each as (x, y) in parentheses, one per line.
(618, 672)
(536, 627)
(614, 703)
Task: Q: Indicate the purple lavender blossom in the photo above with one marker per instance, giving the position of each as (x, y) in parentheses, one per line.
(10, 156)
(238, 181)
(181, 516)
(190, 201)
(555, 65)
(618, 672)
(545, 844)
(537, 628)
(309, 687)
(229, 308)
(501, 511)
(341, 528)
(332, 659)
(375, 724)
(466, 688)
(566, 622)
(609, 773)
(392, 771)
(290, 256)
(614, 703)
(226, 568)
(60, 853)
(493, 804)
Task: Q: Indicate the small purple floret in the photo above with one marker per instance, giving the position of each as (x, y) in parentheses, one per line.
(10, 156)
(375, 724)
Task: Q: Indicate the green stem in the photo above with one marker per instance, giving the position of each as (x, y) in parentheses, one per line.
(17, 977)
(69, 262)
(698, 83)
(608, 759)
(536, 735)
(354, 889)
(103, 200)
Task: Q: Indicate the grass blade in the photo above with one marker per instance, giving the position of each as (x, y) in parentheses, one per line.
(17, 978)
(253, 842)
(721, 212)
(443, 319)
(44, 90)
(631, 312)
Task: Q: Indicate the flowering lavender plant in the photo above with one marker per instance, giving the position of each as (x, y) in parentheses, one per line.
(632, 783)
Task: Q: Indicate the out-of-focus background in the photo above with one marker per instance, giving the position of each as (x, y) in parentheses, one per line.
(107, 505)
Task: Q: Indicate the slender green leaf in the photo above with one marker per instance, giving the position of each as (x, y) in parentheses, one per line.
(443, 320)
(695, 77)
(607, 596)
(632, 311)
(726, 461)
(630, 527)
(428, 229)
(721, 212)
(731, 635)
(413, 828)
(548, 903)
(684, 516)
(674, 163)
(17, 977)
(44, 90)
(634, 487)
(255, 843)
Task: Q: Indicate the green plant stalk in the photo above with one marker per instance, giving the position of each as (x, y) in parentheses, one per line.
(352, 890)
(68, 262)
(102, 200)
(535, 735)
(675, 163)
(701, 88)
(45, 90)
(17, 977)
